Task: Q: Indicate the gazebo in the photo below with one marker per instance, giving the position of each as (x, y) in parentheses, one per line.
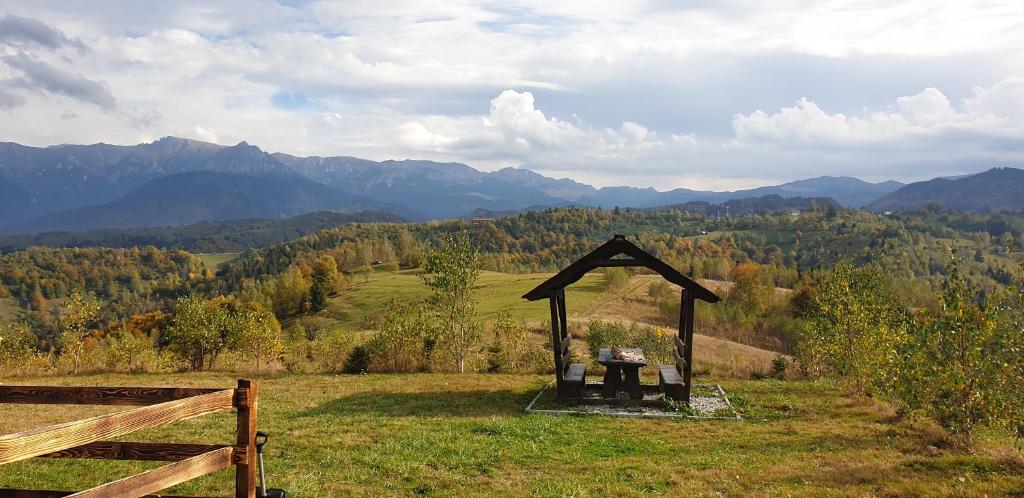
(674, 380)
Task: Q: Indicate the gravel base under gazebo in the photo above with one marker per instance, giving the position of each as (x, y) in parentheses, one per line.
(707, 401)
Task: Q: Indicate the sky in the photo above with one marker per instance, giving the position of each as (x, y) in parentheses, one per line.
(702, 94)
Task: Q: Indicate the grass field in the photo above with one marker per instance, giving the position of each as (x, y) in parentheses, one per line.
(361, 300)
(213, 260)
(467, 435)
(9, 309)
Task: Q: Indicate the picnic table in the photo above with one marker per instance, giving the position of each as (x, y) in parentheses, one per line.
(627, 364)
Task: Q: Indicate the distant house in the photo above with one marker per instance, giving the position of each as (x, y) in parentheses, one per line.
(482, 221)
(794, 212)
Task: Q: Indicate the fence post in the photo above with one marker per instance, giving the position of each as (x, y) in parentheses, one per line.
(245, 473)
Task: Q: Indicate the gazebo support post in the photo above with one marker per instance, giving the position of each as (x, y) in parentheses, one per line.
(686, 309)
(556, 340)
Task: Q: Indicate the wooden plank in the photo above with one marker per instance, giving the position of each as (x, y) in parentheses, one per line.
(43, 440)
(565, 344)
(63, 395)
(245, 472)
(163, 477)
(39, 493)
(126, 450)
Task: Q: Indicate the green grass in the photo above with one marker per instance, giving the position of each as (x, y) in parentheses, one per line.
(360, 301)
(466, 435)
(213, 260)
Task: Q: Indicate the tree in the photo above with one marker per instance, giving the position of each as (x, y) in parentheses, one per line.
(963, 366)
(853, 327)
(401, 328)
(80, 310)
(748, 291)
(325, 281)
(17, 346)
(364, 271)
(451, 272)
(511, 345)
(199, 332)
(258, 333)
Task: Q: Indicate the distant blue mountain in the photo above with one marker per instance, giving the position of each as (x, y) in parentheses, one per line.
(185, 198)
(993, 190)
(98, 185)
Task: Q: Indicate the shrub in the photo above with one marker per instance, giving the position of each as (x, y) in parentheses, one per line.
(616, 277)
(326, 352)
(606, 335)
(258, 334)
(358, 360)
(853, 329)
(779, 366)
(127, 352)
(659, 291)
(397, 343)
(18, 354)
(513, 349)
(199, 332)
(656, 342)
(962, 366)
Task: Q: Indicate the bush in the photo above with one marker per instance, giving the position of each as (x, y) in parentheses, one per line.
(513, 349)
(962, 365)
(18, 355)
(616, 277)
(656, 342)
(853, 329)
(326, 352)
(659, 291)
(358, 360)
(397, 344)
(606, 335)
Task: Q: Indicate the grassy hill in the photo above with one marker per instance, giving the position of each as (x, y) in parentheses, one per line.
(214, 260)
(467, 435)
(9, 309)
(362, 300)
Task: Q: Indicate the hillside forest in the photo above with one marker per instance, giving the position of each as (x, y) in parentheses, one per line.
(863, 297)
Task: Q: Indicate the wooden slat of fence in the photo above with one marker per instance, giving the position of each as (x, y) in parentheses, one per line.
(163, 477)
(62, 395)
(39, 493)
(126, 450)
(245, 472)
(35, 442)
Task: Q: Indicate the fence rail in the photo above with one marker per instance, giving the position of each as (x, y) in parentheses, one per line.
(89, 438)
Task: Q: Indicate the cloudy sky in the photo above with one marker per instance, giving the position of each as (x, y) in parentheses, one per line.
(700, 94)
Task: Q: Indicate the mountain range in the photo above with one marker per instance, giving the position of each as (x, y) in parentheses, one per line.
(993, 190)
(175, 181)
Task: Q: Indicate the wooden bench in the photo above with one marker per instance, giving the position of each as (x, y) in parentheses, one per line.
(670, 377)
(572, 377)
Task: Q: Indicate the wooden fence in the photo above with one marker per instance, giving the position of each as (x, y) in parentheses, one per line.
(90, 438)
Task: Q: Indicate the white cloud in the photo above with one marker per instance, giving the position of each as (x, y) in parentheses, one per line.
(996, 111)
(650, 93)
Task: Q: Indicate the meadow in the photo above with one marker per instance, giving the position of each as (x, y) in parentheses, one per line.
(467, 435)
(362, 299)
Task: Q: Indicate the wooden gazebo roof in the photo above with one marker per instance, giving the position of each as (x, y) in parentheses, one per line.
(605, 256)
